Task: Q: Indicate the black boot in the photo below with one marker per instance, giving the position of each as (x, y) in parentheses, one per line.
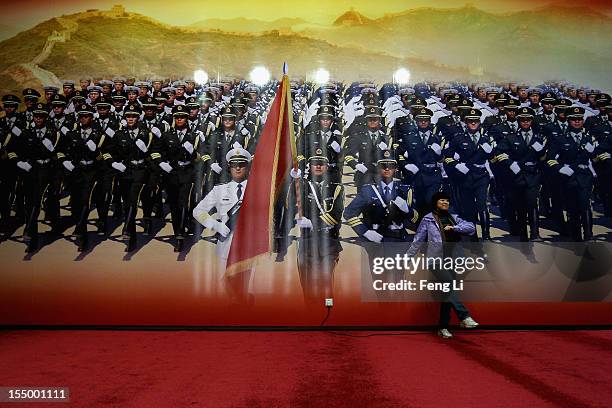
(148, 226)
(485, 224)
(178, 247)
(586, 218)
(534, 225)
(102, 226)
(129, 224)
(574, 227)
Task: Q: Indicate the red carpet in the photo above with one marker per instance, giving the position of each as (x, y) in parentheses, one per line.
(318, 369)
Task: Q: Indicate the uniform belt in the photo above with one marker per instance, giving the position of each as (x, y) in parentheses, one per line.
(137, 162)
(45, 161)
(429, 165)
(184, 163)
(480, 166)
(530, 164)
(86, 162)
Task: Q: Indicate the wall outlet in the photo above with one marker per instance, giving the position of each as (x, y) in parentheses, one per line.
(329, 302)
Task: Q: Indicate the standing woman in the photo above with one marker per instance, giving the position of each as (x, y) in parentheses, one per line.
(438, 229)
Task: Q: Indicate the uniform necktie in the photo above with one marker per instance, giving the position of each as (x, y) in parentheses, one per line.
(239, 192)
(527, 137)
(181, 135)
(424, 137)
(57, 123)
(40, 133)
(513, 127)
(132, 134)
(563, 127)
(387, 194)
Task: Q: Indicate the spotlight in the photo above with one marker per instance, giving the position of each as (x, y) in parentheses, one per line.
(401, 76)
(260, 76)
(200, 76)
(322, 76)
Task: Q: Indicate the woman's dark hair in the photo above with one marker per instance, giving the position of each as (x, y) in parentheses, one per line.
(440, 195)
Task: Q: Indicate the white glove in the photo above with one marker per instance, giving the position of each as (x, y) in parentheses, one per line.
(462, 168)
(24, 165)
(91, 145)
(156, 131)
(401, 204)
(456, 156)
(537, 146)
(64, 130)
(123, 123)
(16, 131)
(200, 135)
(296, 174)
(141, 145)
(188, 146)
(48, 144)
(566, 170)
(68, 165)
(383, 146)
(110, 132)
(118, 166)
(487, 148)
(334, 145)
(304, 223)
(515, 167)
(165, 166)
(412, 168)
(373, 236)
(244, 131)
(216, 168)
(361, 168)
(589, 147)
(359, 109)
(210, 223)
(222, 229)
(437, 148)
(236, 145)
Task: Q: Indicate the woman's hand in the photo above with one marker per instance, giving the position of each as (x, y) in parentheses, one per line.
(449, 228)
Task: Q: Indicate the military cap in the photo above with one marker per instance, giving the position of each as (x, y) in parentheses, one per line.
(525, 112)
(94, 88)
(148, 102)
(562, 104)
(491, 90)
(169, 90)
(105, 82)
(371, 101)
(328, 99)
(68, 83)
(40, 109)
(418, 103)
(180, 110)
(522, 85)
(373, 112)
(117, 96)
(512, 104)
(77, 95)
(179, 100)
(406, 91)
(326, 111)
(453, 100)
(422, 113)
(548, 97)
(465, 104)
(228, 112)
(11, 100)
(501, 99)
(192, 102)
(318, 156)
(142, 84)
(179, 84)
(472, 114)
(58, 99)
(534, 91)
(118, 80)
(30, 93)
(329, 86)
(206, 97)
(133, 89)
(157, 80)
(103, 102)
(602, 99)
(160, 96)
(252, 89)
(85, 109)
(449, 91)
(51, 88)
(237, 102)
(385, 156)
(238, 154)
(575, 112)
(132, 110)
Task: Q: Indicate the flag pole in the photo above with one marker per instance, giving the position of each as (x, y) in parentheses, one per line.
(296, 182)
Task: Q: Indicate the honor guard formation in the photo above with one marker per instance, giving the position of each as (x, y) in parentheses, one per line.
(369, 156)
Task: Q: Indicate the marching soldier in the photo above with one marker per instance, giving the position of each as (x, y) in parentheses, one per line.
(568, 156)
(381, 211)
(220, 142)
(30, 99)
(318, 216)
(326, 138)
(520, 154)
(364, 148)
(130, 159)
(177, 153)
(36, 159)
(109, 124)
(465, 160)
(419, 153)
(602, 162)
(85, 153)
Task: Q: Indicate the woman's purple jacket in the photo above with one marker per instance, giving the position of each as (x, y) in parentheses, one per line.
(429, 232)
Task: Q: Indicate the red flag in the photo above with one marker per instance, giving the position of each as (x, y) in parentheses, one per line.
(274, 156)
